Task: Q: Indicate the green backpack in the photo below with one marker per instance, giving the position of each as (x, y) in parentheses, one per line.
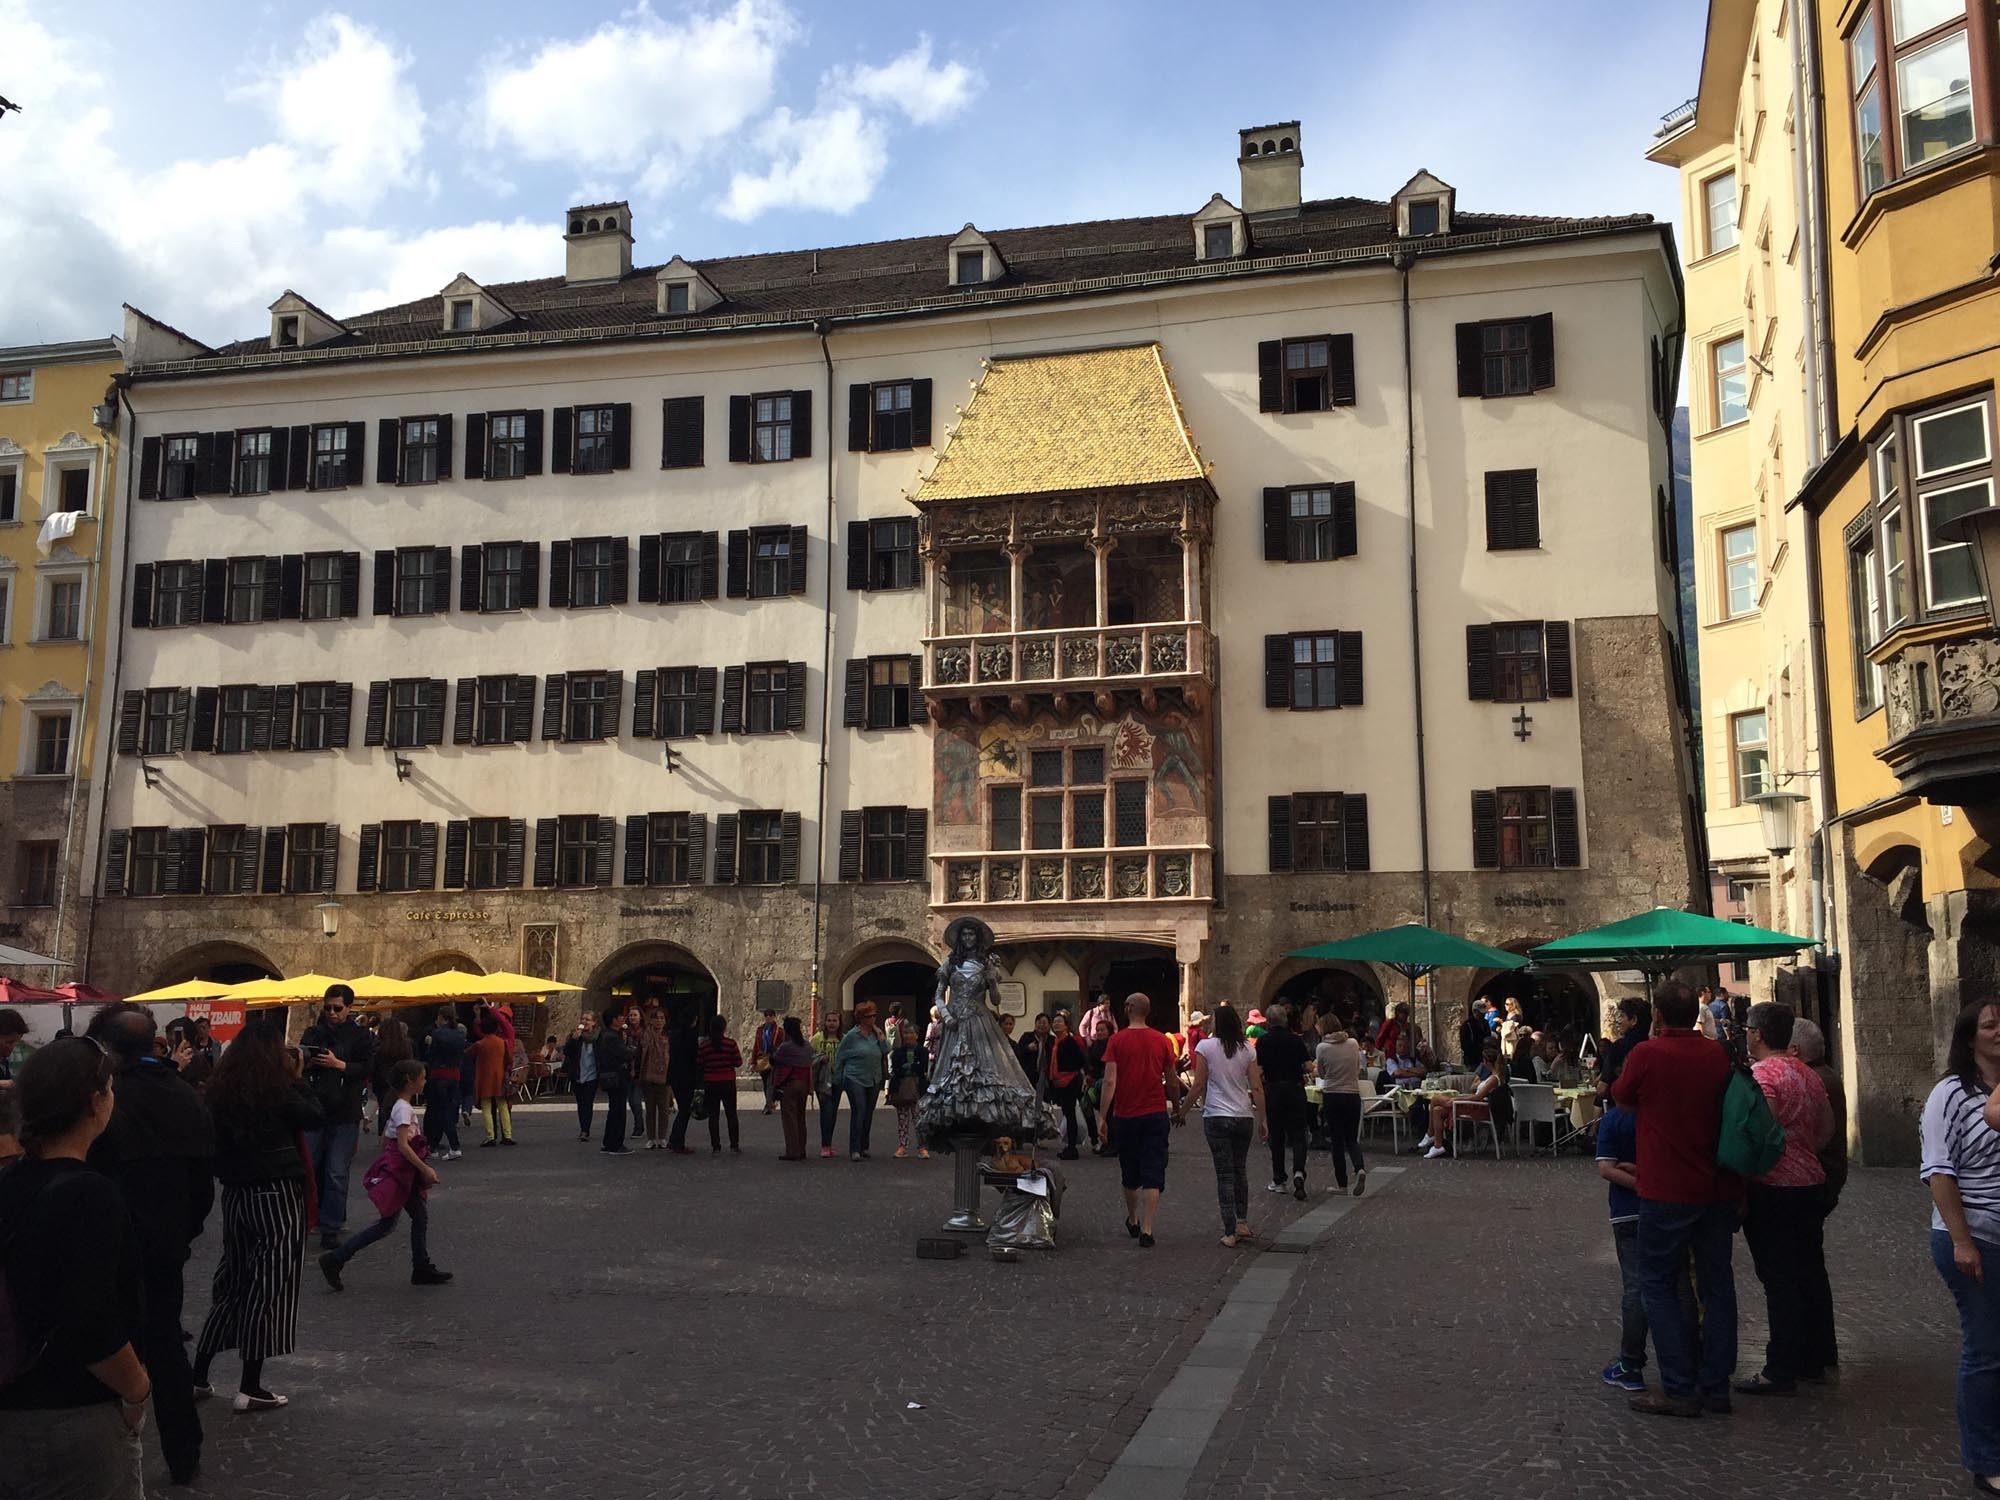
(1751, 1139)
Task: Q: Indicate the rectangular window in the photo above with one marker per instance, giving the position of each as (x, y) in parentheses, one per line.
(506, 445)
(970, 267)
(594, 425)
(253, 463)
(65, 619)
(1912, 61)
(765, 689)
(1506, 351)
(17, 385)
(420, 446)
(153, 860)
(591, 562)
(329, 457)
(771, 430)
(669, 849)
(1520, 663)
(461, 316)
(576, 850)
(680, 567)
(1951, 476)
(10, 494)
(1864, 610)
(677, 297)
(1128, 814)
(176, 593)
(1895, 552)
(1423, 216)
(309, 856)
(501, 701)
(1750, 755)
(1218, 241)
(36, 864)
(1045, 822)
(1310, 536)
(891, 427)
(1718, 204)
(587, 707)
(52, 731)
(421, 586)
(1004, 804)
(1308, 371)
(1739, 571)
(884, 844)
(402, 850)
(770, 561)
(406, 712)
(1934, 98)
(321, 711)
(1730, 381)
(177, 467)
(503, 576)
(288, 333)
(1316, 671)
(888, 692)
(680, 696)
(892, 554)
(156, 734)
(321, 600)
(1318, 842)
(73, 489)
(486, 868)
(247, 577)
(761, 840)
(1525, 841)
(232, 860)
(235, 720)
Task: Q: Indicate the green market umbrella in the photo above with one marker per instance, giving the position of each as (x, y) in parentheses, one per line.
(1413, 950)
(1664, 939)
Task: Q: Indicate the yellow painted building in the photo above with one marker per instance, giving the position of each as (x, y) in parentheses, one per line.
(58, 458)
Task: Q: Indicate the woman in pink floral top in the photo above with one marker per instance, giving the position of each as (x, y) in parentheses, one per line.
(1784, 1214)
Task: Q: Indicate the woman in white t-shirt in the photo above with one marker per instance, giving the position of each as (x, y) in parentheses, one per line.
(1337, 1063)
(1229, 1089)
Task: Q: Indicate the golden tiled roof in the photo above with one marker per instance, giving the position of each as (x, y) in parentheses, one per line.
(1037, 424)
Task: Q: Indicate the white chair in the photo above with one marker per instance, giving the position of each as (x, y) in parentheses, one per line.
(1382, 1106)
(1535, 1104)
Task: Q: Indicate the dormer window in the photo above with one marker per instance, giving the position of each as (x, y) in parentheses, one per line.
(1422, 207)
(1218, 241)
(461, 316)
(1424, 217)
(675, 297)
(969, 268)
(288, 333)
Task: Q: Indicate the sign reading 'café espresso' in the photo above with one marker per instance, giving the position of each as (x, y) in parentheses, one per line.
(445, 914)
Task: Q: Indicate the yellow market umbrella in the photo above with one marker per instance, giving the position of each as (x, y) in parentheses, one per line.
(257, 992)
(187, 989)
(450, 985)
(379, 987)
(508, 983)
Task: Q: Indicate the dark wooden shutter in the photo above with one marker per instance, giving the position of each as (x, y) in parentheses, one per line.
(614, 703)
(117, 846)
(517, 852)
(1277, 524)
(1561, 673)
(1277, 671)
(1346, 528)
(246, 872)
(463, 710)
(606, 833)
(1350, 668)
(1513, 510)
(1564, 827)
(368, 865)
(725, 848)
(281, 458)
(284, 709)
(849, 866)
(621, 569)
(739, 565)
(471, 559)
(262, 700)
(1479, 663)
(343, 714)
(1542, 350)
(732, 700)
(142, 596)
(441, 571)
(711, 565)
(645, 693)
(1471, 360)
(554, 688)
(215, 591)
(854, 697)
(637, 830)
(1485, 831)
(531, 574)
(387, 451)
(274, 588)
(201, 729)
(131, 710)
(704, 703)
(559, 569)
(681, 423)
(475, 445)
(649, 568)
(857, 555)
(561, 457)
(917, 705)
(546, 830)
(521, 711)
(273, 882)
(621, 453)
(177, 730)
(350, 585)
(920, 414)
(219, 473)
(384, 602)
(533, 463)
(204, 462)
(457, 838)
(357, 451)
(795, 695)
(150, 457)
(1354, 829)
(788, 847)
(858, 418)
(1270, 375)
(375, 721)
(1340, 369)
(1279, 815)
(739, 430)
(697, 847)
(796, 584)
(445, 444)
(299, 459)
(189, 845)
(802, 424)
(328, 860)
(916, 843)
(427, 857)
(291, 587)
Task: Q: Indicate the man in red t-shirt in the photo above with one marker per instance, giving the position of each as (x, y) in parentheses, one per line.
(1139, 1073)
(1687, 1204)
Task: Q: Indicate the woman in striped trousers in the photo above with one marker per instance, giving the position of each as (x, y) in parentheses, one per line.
(259, 1106)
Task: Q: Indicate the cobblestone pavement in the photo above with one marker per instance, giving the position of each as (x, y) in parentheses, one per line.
(741, 1327)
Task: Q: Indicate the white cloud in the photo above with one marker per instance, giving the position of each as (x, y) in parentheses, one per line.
(639, 94)
(927, 95)
(830, 159)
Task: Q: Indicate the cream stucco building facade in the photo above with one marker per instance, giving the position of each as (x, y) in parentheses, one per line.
(1170, 593)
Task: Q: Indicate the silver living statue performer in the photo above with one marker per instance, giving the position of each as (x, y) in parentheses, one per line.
(977, 1085)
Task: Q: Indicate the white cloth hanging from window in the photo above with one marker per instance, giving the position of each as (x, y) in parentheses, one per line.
(57, 527)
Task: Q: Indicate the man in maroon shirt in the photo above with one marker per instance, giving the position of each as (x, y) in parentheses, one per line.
(1139, 1070)
(1675, 1083)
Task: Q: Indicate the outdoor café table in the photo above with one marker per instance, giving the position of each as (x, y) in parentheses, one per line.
(1581, 1103)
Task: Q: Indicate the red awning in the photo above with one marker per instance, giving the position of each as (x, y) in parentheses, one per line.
(14, 992)
(86, 994)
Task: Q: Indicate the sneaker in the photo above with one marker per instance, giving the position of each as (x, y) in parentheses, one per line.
(615, 1151)
(264, 1401)
(826, 1153)
(1274, 1187)
(1299, 1186)
(507, 1140)
(1360, 1181)
(1068, 1153)
(1435, 1152)
(902, 1153)
(1145, 1242)
(854, 1156)
(1623, 1376)
(1425, 1144)
(429, 1276)
(923, 1153)
(203, 1392)
(489, 1141)
(329, 1267)
(1660, 1404)
(583, 1135)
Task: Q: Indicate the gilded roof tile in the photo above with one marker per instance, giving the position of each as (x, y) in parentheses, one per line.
(1044, 423)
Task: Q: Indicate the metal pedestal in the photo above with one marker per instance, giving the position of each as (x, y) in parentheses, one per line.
(965, 1150)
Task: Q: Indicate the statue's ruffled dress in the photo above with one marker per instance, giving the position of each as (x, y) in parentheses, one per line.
(977, 1083)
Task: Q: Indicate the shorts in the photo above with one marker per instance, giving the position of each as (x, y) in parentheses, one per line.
(1142, 1150)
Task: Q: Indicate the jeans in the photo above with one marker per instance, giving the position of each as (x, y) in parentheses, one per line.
(1631, 1299)
(1228, 1139)
(829, 1106)
(683, 1113)
(1785, 1230)
(1979, 1355)
(614, 1116)
(860, 1114)
(721, 1101)
(441, 1113)
(419, 1215)
(1343, 1132)
(1290, 1125)
(332, 1151)
(1668, 1232)
(586, 1106)
(636, 1096)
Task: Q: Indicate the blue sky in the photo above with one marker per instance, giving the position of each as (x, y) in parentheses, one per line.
(196, 160)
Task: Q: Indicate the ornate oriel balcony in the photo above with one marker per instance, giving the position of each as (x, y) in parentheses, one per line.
(1942, 701)
(1177, 872)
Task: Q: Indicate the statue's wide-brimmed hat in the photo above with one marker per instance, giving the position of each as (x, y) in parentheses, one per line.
(980, 930)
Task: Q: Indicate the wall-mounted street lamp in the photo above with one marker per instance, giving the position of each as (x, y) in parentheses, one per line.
(153, 774)
(404, 765)
(1778, 811)
(329, 918)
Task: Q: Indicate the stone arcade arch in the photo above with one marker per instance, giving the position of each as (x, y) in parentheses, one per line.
(1315, 982)
(655, 970)
(888, 970)
(222, 962)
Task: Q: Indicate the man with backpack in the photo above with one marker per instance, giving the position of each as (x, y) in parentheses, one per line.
(1675, 1083)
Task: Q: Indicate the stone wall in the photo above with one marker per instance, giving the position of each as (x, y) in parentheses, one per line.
(34, 809)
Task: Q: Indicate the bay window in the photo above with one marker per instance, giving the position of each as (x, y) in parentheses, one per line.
(1911, 76)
